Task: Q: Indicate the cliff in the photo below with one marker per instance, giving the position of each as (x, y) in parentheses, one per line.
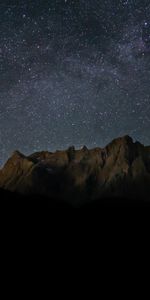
(121, 169)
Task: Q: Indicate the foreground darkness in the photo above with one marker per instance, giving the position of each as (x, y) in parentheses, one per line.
(18, 202)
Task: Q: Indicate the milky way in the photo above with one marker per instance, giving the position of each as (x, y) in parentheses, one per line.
(73, 73)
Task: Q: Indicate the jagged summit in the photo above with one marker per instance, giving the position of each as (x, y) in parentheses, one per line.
(125, 140)
(122, 168)
(17, 154)
(45, 154)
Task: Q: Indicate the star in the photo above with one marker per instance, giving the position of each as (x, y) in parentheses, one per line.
(75, 74)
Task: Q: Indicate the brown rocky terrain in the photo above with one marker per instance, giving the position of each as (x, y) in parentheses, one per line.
(121, 169)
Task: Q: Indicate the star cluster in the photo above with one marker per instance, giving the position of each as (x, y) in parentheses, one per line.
(73, 73)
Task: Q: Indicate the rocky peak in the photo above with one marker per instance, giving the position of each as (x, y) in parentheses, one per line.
(84, 148)
(125, 148)
(17, 154)
(121, 141)
(16, 166)
(71, 153)
(119, 163)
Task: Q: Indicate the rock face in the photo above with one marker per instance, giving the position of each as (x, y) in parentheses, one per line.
(121, 169)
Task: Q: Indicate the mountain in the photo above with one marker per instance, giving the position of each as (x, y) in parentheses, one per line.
(121, 170)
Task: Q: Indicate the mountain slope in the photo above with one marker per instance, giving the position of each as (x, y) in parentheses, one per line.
(121, 169)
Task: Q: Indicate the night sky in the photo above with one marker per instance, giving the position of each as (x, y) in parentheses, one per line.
(74, 72)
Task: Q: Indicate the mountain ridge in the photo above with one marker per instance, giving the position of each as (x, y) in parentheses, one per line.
(121, 169)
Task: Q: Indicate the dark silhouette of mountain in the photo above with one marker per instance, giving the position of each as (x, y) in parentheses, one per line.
(117, 174)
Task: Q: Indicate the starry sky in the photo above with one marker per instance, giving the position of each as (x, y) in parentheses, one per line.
(73, 72)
